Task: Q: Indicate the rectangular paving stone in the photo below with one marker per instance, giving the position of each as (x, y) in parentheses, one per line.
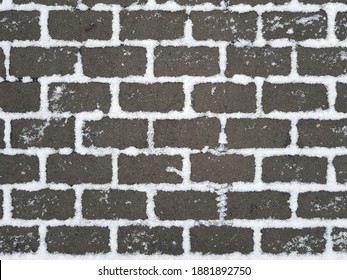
(222, 169)
(224, 98)
(19, 25)
(114, 205)
(45, 204)
(80, 25)
(38, 62)
(224, 25)
(221, 240)
(19, 97)
(2, 64)
(111, 62)
(294, 97)
(340, 165)
(76, 97)
(19, 239)
(116, 133)
(257, 133)
(18, 169)
(1, 204)
(52, 133)
(145, 169)
(78, 169)
(191, 61)
(322, 61)
(341, 25)
(296, 26)
(341, 99)
(257, 61)
(2, 134)
(78, 240)
(258, 205)
(339, 238)
(191, 133)
(322, 133)
(150, 240)
(157, 97)
(293, 240)
(295, 169)
(122, 3)
(322, 204)
(155, 25)
(185, 205)
(48, 2)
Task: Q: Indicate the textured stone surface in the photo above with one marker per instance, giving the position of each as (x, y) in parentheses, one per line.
(19, 239)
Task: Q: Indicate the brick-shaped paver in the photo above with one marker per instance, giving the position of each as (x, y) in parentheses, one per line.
(322, 204)
(156, 97)
(2, 134)
(221, 240)
(114, 61)
(258, 205)
(340, 164)
(20, 25)
(78, 240)
(155, 25)
(38, 62)
(294, 97)
(149, 241)
(114, 204)
(341, 98)
(288, 168)
(80, 25)
(190, 61)
(341, 26)
(54, 133)
(78, 169)
(145, 169)
(49, 3)
(322, 133)
(44, 204)
(184, 205)
(19, 97)
(257, 61)
(18, 169)
(116, 133)
(222, 169)
(293, 240)
(2, 64)
(224, 98)
(224, 26)
(19, 239)
(122, 3)
(77, 98)
(296, 26)
(190, 133)
(339, 238)
(257, 133)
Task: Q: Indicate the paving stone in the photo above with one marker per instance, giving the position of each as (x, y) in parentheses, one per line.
(224, 25)
(19, 97)
(19, 239)
(341, 26)
(294, 97)
(322, 204)
(222, 169)
(78, 169)
(257, 133)
(19, 25)
(48, 2)
(114, 204)
(340, 164)
(44, 204)
(149, 241)
(116, 133)
(2, 64)
(78, 240)
(2, 134)
(18, 169)
(145, 169)
(339, 238)
(77, 98)
(295, 169)
(155, 25)
(122, 3)
(157, 97)
(258, 205)
(293, 240)
(190, 133)
(341, 99)
(224, 98)
(184, 205)
(54, 133)
(221, 240)
(322, 133)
